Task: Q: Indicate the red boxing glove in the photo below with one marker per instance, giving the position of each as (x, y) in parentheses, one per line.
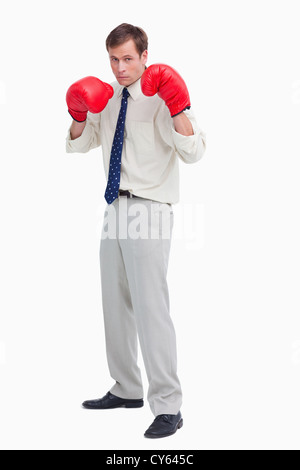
(164, 80)
(88, 94)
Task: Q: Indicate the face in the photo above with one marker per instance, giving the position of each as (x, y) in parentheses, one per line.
(126, 63)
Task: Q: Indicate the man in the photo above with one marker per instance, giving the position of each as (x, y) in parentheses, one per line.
(143, 122)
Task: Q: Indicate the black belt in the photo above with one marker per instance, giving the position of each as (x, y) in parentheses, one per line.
(127, 194)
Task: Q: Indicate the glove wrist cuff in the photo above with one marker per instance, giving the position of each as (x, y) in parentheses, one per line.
(180, 112)
(77, 116)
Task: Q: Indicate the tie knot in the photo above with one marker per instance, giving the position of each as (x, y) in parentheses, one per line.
(125, 93)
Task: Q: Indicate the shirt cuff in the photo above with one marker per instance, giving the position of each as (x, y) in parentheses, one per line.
(188, 146)
(82, 143)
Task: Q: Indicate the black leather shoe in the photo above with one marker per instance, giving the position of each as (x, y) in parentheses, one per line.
(110, 401)
(164, 426)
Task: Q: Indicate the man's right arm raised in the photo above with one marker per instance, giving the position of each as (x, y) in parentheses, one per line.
(86, 99)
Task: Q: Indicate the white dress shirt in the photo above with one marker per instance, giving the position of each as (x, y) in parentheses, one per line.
(150, 167)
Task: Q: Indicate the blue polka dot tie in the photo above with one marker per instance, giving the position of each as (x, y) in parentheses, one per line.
(113, 183)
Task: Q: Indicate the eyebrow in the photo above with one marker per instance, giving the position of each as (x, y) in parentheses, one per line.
(124, 56)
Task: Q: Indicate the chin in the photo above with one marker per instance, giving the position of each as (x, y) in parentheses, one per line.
(124, 81)
(127, 81)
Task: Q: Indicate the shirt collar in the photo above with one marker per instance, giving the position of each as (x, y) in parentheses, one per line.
(134, 89)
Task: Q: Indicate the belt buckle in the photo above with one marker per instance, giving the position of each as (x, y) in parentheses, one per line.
(126, 193)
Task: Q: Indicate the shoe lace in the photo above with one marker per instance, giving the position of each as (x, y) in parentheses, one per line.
(164, 418)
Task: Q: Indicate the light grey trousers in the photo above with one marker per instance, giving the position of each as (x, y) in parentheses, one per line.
(134, 257)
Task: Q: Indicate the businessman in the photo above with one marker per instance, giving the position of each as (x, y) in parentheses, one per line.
(144, 123)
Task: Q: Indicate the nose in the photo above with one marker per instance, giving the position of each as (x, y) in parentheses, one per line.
(121, 66)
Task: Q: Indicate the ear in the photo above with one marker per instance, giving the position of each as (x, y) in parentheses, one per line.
(145, 57)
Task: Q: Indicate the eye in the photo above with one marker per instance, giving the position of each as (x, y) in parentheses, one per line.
(128, 58)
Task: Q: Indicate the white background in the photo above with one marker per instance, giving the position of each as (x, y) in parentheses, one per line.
(234, 298)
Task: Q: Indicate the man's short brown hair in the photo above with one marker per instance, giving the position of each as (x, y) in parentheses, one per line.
(124, 33)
